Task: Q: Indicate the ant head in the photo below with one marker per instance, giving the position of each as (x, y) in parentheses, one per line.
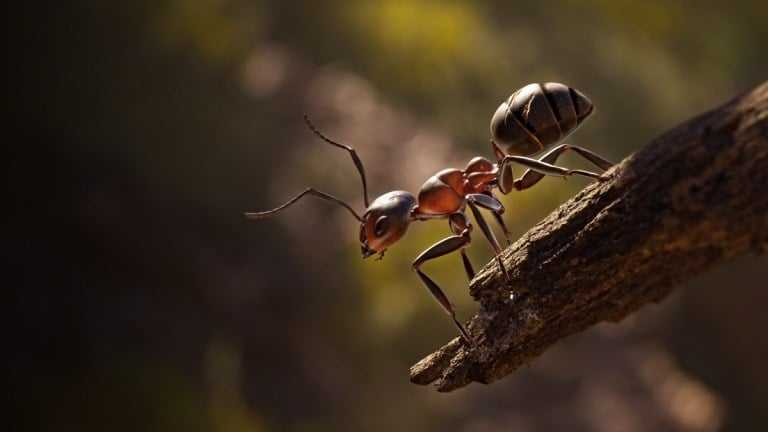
(385, 221)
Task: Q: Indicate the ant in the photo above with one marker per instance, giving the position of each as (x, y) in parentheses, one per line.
(533, 118)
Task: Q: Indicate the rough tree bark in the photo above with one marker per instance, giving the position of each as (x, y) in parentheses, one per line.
(692, 198)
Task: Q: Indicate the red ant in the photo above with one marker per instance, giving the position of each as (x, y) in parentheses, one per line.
(532, 118)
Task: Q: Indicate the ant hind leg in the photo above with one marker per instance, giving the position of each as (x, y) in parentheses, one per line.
(531, 177)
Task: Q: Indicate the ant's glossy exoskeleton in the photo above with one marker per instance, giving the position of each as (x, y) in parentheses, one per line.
(533, 118)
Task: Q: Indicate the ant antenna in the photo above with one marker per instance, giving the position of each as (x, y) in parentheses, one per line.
(352, 153)
(308, 191)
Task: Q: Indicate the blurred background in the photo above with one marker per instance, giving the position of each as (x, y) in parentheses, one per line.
(140, 131)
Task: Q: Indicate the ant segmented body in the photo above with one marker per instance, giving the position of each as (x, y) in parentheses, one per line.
(532, 119)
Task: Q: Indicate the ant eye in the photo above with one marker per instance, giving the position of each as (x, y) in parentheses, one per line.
(381, 227)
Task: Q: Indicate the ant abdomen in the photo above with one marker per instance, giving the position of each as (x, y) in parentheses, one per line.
(537, 116)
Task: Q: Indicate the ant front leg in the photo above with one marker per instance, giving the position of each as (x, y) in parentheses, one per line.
(458, 223)
(443, 247)
(532, 177)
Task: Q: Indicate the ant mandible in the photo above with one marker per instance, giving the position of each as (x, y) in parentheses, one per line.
(533, 118)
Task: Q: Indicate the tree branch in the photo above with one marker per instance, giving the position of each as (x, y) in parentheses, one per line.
(694, 197)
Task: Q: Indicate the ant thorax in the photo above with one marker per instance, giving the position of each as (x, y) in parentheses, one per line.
(444, 192)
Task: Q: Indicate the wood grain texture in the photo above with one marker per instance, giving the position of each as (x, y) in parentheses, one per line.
(691, 199)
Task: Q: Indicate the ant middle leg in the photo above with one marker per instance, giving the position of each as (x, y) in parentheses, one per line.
(531, 177)
(443, 247)
(500, 220)
(490, 203)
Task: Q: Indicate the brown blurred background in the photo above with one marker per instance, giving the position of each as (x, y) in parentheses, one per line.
(140, 132)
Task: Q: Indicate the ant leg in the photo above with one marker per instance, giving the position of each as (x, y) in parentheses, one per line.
(547, 168)
(531, 177)
(503, 226)
(485, 201)
(443, 247)
(499, 219)
(506, 178)
(467, 265)
(458, 223)
(473, 200)
(591, 156)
